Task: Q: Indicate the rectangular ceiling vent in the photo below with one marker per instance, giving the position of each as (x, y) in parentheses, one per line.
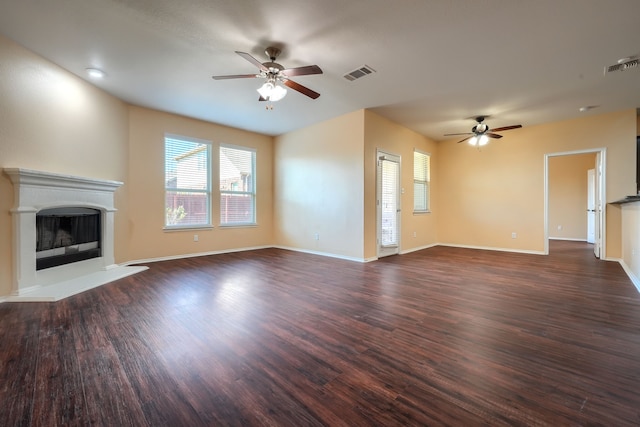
(365, 70)
(622, 65)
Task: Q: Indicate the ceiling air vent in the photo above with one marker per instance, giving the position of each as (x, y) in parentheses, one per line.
(622, 65)
(365, 70)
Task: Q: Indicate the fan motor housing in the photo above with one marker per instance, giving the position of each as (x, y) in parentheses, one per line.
(273, 67)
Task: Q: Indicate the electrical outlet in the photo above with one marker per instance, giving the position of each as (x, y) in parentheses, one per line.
(559, 227)
(415, 234)
(317, 236)
(514, 235)
(195, 237)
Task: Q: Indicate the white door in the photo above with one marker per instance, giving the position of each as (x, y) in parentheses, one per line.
(598, 220)
(591, 206)
(388, 203)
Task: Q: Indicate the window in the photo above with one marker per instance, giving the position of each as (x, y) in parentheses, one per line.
(237, 185)
(421, 178)
(187, 177)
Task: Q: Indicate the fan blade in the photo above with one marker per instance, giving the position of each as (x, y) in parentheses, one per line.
(236, 76)
(463, 140)
(302, 89)
(302, 71)
(506, 128)
(253, 60)
(493, 135)
(456, 134)
(261, 98)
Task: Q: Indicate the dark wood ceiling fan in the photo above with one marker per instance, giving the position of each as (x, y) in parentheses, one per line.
(273, 73)
(480, 132)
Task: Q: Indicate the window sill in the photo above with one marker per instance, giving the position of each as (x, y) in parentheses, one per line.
(247, 225)
(421, 212)
(188, 228)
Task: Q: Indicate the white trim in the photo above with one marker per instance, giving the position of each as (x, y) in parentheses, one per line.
(208, 191)
(427, 181)
(325, 254)
(379, 155)
(121, 269)
(487, 248)
(39, 179)
(568, 238)
(37, 190)
(197, 254)
(603, 195)
(225, 251)
(419, 248)
(634, 279)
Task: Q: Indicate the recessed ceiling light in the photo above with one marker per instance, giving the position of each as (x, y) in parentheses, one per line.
(96, 73)
(587, 108)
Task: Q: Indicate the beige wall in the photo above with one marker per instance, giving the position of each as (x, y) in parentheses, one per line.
(568, 195)
(319, 187)
(147, 239)
(385, 135)
(51, 120)
(320, 179)
(489, 193)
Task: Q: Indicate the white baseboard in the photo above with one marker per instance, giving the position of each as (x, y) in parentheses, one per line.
(193, 255)
(114, 275)
(488, 248)
(419, 248)
(326, 254)
(634, 279)
(567, 238)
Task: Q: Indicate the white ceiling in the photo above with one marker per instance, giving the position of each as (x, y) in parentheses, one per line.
(438, 62)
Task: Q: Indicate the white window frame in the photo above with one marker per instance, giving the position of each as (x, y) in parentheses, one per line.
(206, 191)
(426, 183)
(251, 193)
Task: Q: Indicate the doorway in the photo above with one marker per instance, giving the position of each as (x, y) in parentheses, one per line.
(593, 211)
(388, 203)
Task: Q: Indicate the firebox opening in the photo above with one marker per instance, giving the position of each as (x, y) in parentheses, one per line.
(67, 235)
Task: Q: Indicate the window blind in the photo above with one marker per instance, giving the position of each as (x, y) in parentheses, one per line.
(421, 163)
(187, 182)
(237, 185)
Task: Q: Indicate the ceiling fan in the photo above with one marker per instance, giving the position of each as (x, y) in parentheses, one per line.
(480, 132)
(274, 73)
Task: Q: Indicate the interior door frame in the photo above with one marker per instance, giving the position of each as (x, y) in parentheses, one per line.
(601, 184)
(591, 205)
(379, 155)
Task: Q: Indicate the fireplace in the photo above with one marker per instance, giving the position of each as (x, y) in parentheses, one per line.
(53, 258)
(65, 235)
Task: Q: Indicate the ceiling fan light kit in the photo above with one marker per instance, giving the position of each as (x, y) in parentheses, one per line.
(270, 91)
(479, 141)
(275, 73)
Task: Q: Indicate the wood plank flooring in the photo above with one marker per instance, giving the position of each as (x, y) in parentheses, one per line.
(443, 336)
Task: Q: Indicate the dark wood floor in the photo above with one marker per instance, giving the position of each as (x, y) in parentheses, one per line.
(443, 336)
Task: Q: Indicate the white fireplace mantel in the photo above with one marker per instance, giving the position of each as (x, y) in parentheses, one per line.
(37, 190)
